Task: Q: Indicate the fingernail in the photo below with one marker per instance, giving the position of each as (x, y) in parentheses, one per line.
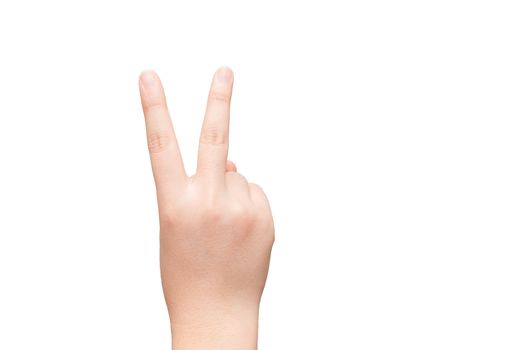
(225, 75)
(148, 79)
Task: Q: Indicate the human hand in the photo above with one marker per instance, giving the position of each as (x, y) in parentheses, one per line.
(216, 228)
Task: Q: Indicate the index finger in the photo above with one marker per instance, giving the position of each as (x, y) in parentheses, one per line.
(166, 160)
(214, 137)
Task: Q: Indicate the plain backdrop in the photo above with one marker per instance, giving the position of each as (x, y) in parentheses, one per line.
(388, 136)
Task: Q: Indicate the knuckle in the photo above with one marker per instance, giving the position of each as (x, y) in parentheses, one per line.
(169, 216)
(257, 191)
(241, 178)
(167, 220)
(211, 213)
(158, 142)
(154, 105)
(244, 215)
(219, 96)
(255, 187)
(213, 136)
(234, 177)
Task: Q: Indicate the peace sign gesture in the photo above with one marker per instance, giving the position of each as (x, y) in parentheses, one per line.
(216, 228)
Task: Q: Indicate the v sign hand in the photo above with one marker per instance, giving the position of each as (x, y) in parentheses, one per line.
(216, 228)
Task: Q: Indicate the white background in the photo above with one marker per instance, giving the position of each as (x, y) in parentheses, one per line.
(388, 136)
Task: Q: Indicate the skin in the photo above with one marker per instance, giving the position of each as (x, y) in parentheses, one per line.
(216, 228)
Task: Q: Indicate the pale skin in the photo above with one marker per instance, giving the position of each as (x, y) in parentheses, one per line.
(216, 228)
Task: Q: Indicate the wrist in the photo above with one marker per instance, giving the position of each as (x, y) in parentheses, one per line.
(210, 325)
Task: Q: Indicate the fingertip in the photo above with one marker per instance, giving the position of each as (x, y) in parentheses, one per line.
(224, 74)
(148, 78)
(230, 166)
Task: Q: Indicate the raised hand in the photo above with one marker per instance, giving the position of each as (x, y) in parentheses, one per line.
(216, 228)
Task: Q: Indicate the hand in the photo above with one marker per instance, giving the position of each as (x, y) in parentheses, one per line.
(216, 228)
